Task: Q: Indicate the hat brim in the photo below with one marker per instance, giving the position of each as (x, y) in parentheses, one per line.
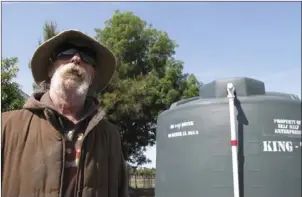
(105, 59)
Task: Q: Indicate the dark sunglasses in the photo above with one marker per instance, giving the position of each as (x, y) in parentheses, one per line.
(68, 51)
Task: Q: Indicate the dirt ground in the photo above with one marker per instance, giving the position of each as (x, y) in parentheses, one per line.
(141, 192)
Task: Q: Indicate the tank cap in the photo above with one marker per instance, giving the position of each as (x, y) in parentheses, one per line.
(244, 87)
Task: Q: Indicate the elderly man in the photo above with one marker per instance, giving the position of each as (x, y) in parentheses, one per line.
(60, 144)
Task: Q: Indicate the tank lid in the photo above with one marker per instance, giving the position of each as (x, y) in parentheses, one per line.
(284, 95)
(244, 86)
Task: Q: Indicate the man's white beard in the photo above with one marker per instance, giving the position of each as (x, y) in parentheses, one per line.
(70, 84)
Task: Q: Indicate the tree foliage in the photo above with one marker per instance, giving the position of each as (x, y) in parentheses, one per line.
(11, 96)
(147, 81)
(146, 171)
(49, 31)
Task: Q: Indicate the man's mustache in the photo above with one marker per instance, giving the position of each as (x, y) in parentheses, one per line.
(74, 71)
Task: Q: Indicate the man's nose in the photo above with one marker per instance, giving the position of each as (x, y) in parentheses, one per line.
(76, 59)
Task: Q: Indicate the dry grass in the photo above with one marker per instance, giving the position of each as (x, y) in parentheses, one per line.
(142, 183)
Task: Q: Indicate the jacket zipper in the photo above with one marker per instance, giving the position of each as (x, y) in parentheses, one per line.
(63, 167)
(77, 190)
(95, 120)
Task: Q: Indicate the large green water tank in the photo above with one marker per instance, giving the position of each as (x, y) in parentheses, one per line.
(193, 143)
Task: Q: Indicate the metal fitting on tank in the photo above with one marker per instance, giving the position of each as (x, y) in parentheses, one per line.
(231, 90)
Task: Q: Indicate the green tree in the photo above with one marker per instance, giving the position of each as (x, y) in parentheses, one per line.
(11, 96)
(49, 31)
(147, 81)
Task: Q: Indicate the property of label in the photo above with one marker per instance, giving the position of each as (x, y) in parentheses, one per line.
(280, 146)
(287, 127)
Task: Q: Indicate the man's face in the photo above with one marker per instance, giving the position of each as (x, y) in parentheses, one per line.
(72, 71)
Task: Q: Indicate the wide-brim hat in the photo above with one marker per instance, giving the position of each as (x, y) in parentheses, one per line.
(105, 59)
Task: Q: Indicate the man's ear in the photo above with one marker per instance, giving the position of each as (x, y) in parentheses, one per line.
(92, 78)
(51, 70)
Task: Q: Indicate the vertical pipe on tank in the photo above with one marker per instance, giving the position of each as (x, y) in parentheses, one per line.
(231, 97)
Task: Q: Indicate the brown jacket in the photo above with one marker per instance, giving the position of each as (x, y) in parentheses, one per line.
(33, 151)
